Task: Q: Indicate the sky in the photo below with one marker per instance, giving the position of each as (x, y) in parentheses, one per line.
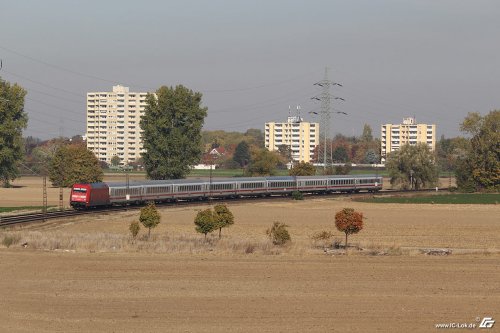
(435, 60)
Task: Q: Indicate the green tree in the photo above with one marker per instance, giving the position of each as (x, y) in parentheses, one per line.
(302, 169)
(150, 217)
(205, 222)
(242, 154)
(349, 222)
(463, 176)
(256, 137)
(172, 125)
(223, 217)
(481, 166)
(30, 143)
(371, 157)
(286, 152)
(412, 167)
(264, 163)
(342, 169)
(74, 164)
(340, 155)
(450, 151)
(278, 234)
(367, 134)
(13, 120)
(115, 161)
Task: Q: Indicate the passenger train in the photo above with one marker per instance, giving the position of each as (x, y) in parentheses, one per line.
(94, 195)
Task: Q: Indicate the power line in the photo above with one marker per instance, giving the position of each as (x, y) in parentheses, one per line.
(262, 85)
(58, 67)
(44, 84)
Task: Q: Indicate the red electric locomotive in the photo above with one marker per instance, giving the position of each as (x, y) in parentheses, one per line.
(89, 195)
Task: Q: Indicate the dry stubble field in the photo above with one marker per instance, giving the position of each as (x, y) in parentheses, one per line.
(196, 288)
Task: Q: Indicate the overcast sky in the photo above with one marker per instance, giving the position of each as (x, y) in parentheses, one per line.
(436, 60)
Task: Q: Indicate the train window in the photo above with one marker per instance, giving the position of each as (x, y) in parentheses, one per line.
(252, 185)
(79, 190)
(221, 186)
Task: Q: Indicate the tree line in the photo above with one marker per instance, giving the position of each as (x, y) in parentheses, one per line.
(174, 142)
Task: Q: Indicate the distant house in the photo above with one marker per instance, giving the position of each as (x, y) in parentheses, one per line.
(219, 151)
(211, 157)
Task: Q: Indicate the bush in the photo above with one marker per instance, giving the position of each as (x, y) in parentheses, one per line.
(296, 195)
(349, 222)
(150, 217)
(134, 229)
(222, 217)
(302, 169)
(205, 222)
(279, 234)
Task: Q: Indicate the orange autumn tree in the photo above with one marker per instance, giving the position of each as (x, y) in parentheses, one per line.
(349, 222)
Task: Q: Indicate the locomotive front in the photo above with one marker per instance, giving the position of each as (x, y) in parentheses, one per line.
(80, 196)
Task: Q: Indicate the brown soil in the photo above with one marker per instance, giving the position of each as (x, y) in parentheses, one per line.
(66, 292)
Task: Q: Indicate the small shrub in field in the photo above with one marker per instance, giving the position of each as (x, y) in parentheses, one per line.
(9, 240)
(205, 222)
(223, 217)
(279, 234)
(349, 222)
(296, 195)
(134, 229)
(150, 217)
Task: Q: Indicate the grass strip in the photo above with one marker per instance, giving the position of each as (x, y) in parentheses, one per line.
(458, 198)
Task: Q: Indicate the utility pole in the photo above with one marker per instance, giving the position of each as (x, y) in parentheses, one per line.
(127, 182)
(61, 201)
(325, 115)
(44, 209)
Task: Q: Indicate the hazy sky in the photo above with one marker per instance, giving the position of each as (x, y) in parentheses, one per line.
(436, 60)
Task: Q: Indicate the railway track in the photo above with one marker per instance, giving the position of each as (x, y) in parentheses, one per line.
(19, 219)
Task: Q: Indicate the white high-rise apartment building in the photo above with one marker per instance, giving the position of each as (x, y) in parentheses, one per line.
(394, 136)
(113, 124)
(302, 137)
